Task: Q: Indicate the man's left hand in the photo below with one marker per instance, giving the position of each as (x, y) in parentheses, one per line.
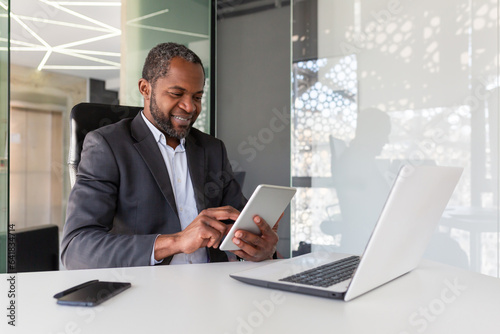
(257, 247)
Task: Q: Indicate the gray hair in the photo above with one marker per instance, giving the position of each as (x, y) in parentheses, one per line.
(158, 60)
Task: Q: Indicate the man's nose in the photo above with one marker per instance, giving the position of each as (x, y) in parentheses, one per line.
(187, 104)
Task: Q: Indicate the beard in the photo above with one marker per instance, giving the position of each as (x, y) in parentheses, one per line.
(164, 123)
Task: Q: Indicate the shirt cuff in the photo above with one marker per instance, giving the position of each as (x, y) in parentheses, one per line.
(153, 261)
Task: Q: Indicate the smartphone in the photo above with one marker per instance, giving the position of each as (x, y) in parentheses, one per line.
(268, 202)
(90, 293)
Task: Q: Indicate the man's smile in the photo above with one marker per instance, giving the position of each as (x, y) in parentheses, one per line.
(186, 118)
(182, 120)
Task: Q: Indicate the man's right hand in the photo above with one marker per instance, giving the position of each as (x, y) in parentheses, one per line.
(206, 230)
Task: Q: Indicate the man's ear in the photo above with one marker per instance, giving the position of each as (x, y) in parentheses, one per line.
(144, 88)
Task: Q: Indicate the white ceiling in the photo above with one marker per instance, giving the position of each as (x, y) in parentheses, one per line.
(80, 38)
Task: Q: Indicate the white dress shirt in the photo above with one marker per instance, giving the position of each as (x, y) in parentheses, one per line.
(176, 163)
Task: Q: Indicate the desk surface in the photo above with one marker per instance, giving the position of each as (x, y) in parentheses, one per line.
(202, 298)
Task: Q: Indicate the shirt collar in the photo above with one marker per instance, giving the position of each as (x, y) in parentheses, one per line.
(158, 135)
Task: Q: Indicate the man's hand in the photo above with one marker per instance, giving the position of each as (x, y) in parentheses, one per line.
(205, 230)
(257, 247)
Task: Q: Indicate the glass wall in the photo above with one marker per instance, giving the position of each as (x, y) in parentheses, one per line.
(51, 58)
(385, 83)
(4, 116)
(148, 23)
(58, 50)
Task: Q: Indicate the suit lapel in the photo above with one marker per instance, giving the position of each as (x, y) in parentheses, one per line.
(150, 153)
(196, 164)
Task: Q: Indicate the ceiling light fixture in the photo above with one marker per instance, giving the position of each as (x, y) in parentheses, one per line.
(34, 34)
(44, 60)
(88, 3)
(66, 24)
(84, 17)
(133, 23)
(97, 53)
(67, 48)
(78, 55)
(69, 67)
(140, 18)
(88, 40)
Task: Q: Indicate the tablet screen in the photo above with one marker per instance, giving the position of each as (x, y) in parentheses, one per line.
(268, 202)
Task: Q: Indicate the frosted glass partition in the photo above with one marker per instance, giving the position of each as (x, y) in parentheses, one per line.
(147, 23)
(397, 82)
(4, 116)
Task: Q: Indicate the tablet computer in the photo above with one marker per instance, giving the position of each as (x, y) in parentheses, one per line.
(268, 202)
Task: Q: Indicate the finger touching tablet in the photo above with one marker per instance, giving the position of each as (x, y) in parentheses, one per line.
(268, 202)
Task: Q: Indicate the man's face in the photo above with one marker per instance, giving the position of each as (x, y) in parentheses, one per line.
(175, 101)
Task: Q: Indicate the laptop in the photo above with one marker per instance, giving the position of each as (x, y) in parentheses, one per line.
(410, 215)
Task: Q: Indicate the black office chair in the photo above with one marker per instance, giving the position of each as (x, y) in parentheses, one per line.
(85, 117)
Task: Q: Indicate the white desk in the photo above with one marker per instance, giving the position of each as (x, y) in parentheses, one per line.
(203, 299)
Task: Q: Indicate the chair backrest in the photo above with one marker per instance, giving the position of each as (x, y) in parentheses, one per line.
(85, 117)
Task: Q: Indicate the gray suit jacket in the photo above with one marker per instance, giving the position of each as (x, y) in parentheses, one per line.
(122, 197)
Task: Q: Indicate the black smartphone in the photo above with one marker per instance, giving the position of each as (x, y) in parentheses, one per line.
(90, 293)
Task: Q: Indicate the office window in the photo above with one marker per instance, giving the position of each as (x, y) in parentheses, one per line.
(392, 83)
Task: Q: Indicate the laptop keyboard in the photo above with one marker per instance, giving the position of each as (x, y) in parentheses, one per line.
(326, 275)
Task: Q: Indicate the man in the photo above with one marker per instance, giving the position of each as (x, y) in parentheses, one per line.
(152, 189)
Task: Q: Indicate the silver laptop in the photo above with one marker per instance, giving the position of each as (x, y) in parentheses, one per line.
(411, 213)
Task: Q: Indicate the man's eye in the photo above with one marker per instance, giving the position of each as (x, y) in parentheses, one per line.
(176, 94)
(198, 98)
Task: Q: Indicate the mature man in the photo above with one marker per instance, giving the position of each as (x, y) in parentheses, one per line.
(153, 189)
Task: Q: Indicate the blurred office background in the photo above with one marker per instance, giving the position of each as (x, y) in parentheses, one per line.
(330, 96)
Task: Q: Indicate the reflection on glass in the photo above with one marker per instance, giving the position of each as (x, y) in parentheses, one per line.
(421, 88)
(323, 105)
(360, 179)
(4, 109)
(149, 23)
